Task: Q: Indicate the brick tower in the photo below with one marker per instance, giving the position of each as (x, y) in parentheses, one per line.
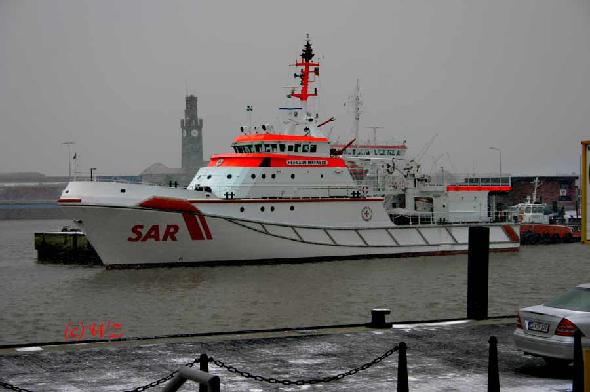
(192, 137)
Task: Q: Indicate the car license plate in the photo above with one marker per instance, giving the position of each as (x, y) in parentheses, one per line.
(537, 326)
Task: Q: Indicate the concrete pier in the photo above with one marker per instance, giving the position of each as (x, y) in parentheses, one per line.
(440, 357)
(65, 247)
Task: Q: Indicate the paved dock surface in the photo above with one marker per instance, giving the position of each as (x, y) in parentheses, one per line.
(441, 357)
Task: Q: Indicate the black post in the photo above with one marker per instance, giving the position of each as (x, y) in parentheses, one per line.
(477, 273)
(493, 373)
(402, 369)
(578, 382)
(204, 366)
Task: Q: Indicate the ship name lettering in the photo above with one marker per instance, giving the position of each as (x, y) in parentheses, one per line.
(153, 233)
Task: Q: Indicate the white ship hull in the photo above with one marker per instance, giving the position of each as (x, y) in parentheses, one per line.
(127, 232)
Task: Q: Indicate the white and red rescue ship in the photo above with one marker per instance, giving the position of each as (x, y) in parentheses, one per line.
(280, 196)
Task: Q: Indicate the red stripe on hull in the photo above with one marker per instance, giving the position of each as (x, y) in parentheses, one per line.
(205, 226)
(168, 204)
(276, 160)
(65, 200)
(193, 227)
(511, 233)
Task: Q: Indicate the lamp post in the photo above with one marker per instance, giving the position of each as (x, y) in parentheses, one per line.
(500, 151)
(69, 145)
(91, 170)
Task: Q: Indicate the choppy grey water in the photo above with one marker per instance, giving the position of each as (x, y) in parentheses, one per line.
(38, 300)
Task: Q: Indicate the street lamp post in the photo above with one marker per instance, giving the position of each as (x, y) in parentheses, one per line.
(91, 170)
(69, 145)
(499, 151)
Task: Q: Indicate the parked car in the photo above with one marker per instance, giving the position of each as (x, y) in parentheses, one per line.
(548, 330)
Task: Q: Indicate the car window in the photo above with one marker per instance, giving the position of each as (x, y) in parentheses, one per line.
(575, 299)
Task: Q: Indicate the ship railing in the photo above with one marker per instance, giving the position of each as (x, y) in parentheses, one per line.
(453, 217)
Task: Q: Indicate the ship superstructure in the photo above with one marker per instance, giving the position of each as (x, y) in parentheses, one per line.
(278, 195)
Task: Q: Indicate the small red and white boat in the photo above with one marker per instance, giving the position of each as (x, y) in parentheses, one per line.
(281, 196)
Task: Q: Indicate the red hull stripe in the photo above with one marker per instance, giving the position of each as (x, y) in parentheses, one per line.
(490, 188)
(205, 226)
(65, 200)
(168, 204)
(278, 137)
(193, 227)
(511, 233)
(276, 160)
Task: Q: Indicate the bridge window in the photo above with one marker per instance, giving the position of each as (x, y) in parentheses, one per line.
(290, 147)
(313, 148)
(282, 147)
(305, 148)
(297, 147)
(258, 147)
(267, 148)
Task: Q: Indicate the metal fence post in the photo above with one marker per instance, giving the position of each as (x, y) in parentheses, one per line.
(204, 366)
(477, 272)
(578, 381)
(402, 369)
(493, 372)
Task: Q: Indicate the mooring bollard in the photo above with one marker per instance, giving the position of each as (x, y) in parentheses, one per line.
(378, 318)
(477, 272)
(204, 366)
(578, 381)
(493, 372)
(402, 369)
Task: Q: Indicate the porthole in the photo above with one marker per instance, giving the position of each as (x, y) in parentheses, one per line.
(321, 176)
(273, 175)
(209, 176)
(292, 208)
(263, 175)
(228, 176)
(292, 175)
(272, 208)
(242, 209)
(122, 190)
(253, 175)
(262, 209)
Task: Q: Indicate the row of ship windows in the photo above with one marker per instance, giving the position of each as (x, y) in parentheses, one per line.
(272, 208)
(375, 152)
(276, 147)
(263, 175)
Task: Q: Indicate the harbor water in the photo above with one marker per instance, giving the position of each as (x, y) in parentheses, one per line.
(39, 300)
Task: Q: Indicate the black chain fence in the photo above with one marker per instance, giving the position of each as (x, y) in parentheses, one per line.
(246, 374)
(311, 381)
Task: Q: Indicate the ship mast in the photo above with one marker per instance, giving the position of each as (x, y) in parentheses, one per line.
(355, 101)
(306, 68)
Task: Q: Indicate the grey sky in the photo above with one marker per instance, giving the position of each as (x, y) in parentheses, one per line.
(111, 76)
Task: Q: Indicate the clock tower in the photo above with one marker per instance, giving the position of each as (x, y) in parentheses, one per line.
(192, 137)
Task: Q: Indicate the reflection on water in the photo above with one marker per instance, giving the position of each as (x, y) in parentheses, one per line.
(38, 300)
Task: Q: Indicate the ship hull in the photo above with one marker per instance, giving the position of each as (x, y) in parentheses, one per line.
(130, 236)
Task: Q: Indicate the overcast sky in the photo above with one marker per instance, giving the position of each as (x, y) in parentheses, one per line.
(111, 76)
